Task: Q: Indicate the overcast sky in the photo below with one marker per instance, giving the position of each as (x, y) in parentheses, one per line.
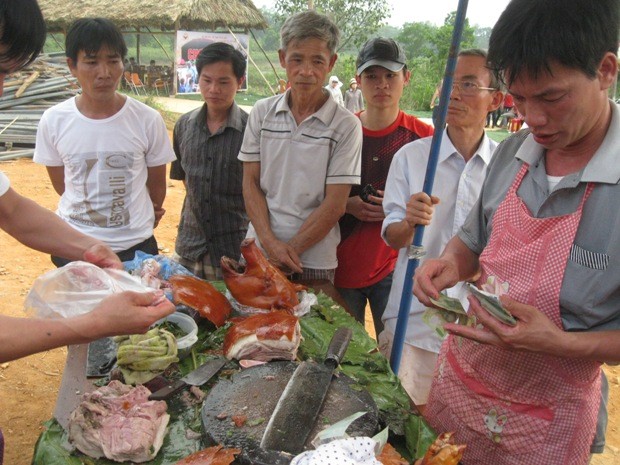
(483, 13)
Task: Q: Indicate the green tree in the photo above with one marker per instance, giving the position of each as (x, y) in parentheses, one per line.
(482, 36)
(390, 32)
(356, 19)
(442, 39)
(417, 39)
(269, 38)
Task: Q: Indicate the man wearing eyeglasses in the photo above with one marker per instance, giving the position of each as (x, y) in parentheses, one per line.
(464, 155)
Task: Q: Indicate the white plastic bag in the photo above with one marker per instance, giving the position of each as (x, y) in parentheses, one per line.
(77, 288)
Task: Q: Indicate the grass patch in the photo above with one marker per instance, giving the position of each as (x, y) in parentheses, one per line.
(170, 118)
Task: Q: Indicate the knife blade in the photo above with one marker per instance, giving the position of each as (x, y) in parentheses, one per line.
(198, 377)
(300, 403)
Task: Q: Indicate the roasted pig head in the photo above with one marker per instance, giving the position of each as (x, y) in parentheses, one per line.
(443, 451)
(201, 296)
(258, 284)
(264, 336)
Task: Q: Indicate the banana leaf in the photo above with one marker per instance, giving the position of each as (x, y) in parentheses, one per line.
(362, 362)
(369, 368)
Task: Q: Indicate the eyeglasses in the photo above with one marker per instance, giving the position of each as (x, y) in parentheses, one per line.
(469, 88)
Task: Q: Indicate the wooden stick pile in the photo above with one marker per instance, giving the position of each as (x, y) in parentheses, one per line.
(27, 94)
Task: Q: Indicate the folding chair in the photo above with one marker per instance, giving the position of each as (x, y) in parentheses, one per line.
(161, 84)
(137, 83)
(128, 81)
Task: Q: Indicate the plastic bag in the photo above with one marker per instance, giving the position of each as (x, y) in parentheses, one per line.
(150, 268)
(77, 288)
(333, 445)
(350, 451)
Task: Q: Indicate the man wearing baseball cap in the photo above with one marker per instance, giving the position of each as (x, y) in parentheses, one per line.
(365, 262)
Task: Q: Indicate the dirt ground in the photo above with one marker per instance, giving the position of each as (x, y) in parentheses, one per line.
(28, 387)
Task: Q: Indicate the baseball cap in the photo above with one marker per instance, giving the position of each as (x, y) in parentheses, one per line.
(379, 51)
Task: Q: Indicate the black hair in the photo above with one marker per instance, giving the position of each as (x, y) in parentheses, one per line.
(22, 31)
(90, 34)
(530, 34)
(220, 51)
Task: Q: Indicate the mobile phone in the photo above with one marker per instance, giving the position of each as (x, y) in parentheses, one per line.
(367, 190)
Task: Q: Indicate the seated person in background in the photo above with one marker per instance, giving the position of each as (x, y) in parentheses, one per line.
(152, 73)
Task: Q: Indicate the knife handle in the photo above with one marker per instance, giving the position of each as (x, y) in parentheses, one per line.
(338, 346)
(167, 391)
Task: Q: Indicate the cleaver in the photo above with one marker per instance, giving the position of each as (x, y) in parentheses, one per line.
(198, 377)
(297, 410)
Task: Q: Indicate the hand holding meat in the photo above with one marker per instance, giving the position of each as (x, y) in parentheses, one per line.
(126, 313)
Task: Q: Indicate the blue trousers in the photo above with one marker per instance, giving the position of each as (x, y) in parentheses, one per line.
(376, 295)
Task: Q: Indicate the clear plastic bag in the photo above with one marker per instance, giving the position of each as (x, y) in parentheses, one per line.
(147, 266)
(77, 288)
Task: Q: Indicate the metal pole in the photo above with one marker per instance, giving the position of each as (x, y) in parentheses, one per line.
(416, 250)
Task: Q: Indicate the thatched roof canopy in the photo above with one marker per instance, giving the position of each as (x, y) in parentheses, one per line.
(156, 14)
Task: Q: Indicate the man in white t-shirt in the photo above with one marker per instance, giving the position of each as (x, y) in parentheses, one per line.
(105, 153)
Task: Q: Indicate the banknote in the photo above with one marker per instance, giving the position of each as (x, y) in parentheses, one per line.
(448, 303)
(492, 304)
(449, 310)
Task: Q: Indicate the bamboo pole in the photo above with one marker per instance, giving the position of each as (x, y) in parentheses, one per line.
(9, 125)
(29, 80)
(160, 44)
(265, 53)
(252, 61)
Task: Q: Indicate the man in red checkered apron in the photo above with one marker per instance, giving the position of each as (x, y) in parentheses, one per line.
(543, 234)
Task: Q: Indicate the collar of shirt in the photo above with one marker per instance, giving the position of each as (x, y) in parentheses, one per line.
(234, 117)
(484, 150)
(603, 167)
(325, 114)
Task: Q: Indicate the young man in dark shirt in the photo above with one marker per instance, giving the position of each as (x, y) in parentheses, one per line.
(206, 142)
